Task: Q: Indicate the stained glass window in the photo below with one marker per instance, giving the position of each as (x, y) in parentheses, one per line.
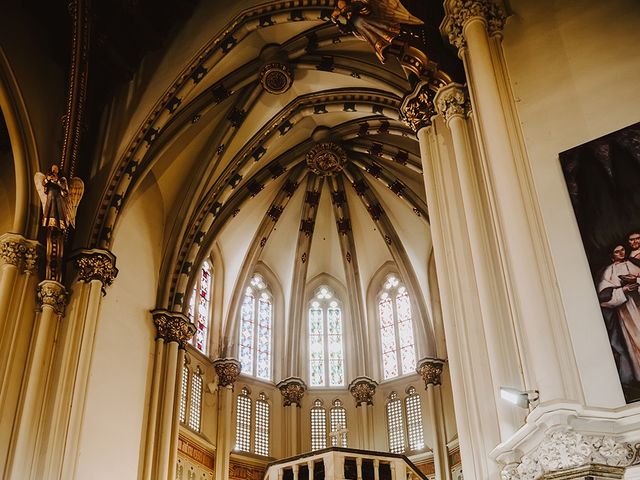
(413, 408)
(395, 424)
(256, 322)
(243, 421)
(396, 329)
(326, 352)
(195, 403)
(318, 426)
(200, 308)
(338, 424)
(261, 442)
(184, 392)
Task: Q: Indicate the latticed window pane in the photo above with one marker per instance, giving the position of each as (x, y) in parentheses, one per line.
(196, 402)
(184, 392)
(318, 426)
(246, 332)
(265, 312)
(243, 421)
(414, 420)
(316, 345)
(338, 425)
(204, 302)
(261, 443)
(395, 424)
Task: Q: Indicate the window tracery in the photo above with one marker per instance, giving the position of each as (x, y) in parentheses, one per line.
(326, 354)
(256, 323)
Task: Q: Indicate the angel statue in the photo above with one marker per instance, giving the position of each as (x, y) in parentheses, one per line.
(59, 205)
(377, 22)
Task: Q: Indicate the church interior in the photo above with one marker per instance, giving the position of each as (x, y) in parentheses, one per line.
(309, 239)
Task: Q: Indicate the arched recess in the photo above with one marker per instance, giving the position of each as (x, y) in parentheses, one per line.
(23, 150)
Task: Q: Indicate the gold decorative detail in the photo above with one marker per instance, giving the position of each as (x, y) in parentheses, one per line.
(326, 159)
(292, 390)
(96, 264)
(228, 370)
(459, 12)
(173, 326)
(363, 389)
(19, 252)
(276, 78)
(53, 295)
(417, 108)
(430, 369)
(451, 101)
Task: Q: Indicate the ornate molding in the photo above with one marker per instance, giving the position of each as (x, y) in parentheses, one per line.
(417, 108)
(96, 264)
(173, 326)
(563, 449)
(276, 78)
(460, 12)
(52, 294)
(326, 159)
(363, 389)
(228, 370)
(430, 369)
(451, 101)
(20, 252)
(292, 390)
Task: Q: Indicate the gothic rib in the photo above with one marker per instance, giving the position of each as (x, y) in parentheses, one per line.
(400, 156)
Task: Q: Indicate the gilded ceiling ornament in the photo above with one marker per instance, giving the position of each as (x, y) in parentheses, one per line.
(459, 12)
(276, 78)
(96, 264)
(19, 252)
(228, 370)
(451, 101)
(417, 108)
(173, 326)
(52, 294)
(363, 389)
(430, 369)
(326, 159)
(292, 390)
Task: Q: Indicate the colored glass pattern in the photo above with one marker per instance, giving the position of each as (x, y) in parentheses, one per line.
(326, 351)
(256, 324)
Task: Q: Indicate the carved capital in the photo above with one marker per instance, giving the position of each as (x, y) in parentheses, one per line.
(228, 370)
(52, 294)
(451, 101)
(96, 264)
(417, 108)
(19, 252)
(430, 369)
(292, 390)
(173, 326)
(460, 12)
(363, 389)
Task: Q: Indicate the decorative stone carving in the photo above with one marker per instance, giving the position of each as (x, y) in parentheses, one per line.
(363, 389)
(276, 78)
(52, 294)
(96, 264)
(292, 390)
(326, 159)
(173, 326)
(459, 12)
(417, 108)
(563, 448)
(430, 369)
(451, 101)
(19, 252)
(228, 370)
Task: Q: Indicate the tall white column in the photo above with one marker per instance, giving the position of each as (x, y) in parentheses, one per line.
(228, 370)
(363, 389)
(292, 390)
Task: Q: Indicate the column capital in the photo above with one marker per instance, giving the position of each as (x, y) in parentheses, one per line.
(417, 107)
(53, 295)
(95, 264)
(173, 326)
(19, 251)
(292, 390)
(430, 369)
(451, 101)
(363, 389)
(228, 370)
(460, 12)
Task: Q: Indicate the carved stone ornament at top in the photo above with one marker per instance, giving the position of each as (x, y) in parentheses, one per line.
(363, 389)
(52, 294)
(430, 369)
(173, 326)
(292, 390)
(228, 371)
(276, 78)
(19, 252)
(417, 108)
(326, 159)
(96, 264)
(459, 12)
(563, 448)
(451, 101)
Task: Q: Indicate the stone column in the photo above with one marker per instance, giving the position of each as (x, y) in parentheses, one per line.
(363, 389)
(292, 390)
(228, 370)
(430, 369)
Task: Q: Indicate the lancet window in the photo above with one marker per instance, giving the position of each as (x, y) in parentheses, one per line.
(404, 425)
(243, 421)
(250, 425)
(200, 308)
(190, 407)
(318, 426)
(261, 436)
(338, 424)
(256, 323)
(326, 354)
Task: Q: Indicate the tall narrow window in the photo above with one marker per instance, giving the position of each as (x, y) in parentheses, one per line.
(395, 424)
(326, 355)
(184, 392)
(413, 408)
(396, 329)
(199, 308)
(318, 426)
(256, 319)
(261, 442)
(338, 424)
(243, 421)
(195, 403)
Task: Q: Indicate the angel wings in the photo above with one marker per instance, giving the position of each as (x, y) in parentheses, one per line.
(393, 11)
(59, 199)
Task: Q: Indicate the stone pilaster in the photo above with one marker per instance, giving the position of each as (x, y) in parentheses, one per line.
(228, 370)
(460, 12)
(292, 390)
(20, 252)
(363, 389)
(96, 264)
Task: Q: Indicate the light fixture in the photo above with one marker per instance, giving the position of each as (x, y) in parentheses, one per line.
(518, 397)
